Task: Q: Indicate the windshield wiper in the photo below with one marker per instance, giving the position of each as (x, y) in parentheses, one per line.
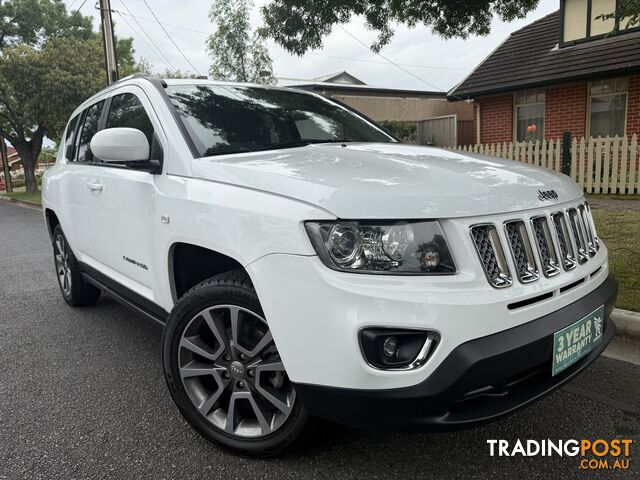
(297, 142)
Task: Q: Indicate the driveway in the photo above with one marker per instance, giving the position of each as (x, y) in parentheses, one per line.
(82, 395)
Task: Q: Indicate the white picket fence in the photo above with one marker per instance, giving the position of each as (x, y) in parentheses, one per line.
(598, 165)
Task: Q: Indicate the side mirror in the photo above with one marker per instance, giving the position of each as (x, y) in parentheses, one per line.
(120, 145)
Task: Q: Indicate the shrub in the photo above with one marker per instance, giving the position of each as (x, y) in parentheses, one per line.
(405, 131)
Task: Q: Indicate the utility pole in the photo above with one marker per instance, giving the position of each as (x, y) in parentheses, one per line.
(108, 42)
(5, 165)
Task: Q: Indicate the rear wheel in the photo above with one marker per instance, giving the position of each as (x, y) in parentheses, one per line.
(73, 287)
(224, 371)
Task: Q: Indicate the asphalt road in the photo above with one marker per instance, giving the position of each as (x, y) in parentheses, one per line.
(82, 395)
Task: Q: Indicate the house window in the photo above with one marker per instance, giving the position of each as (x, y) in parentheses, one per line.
(529, 115)
(574, 19)
(580, 19)
(608, 107)
(598, 25)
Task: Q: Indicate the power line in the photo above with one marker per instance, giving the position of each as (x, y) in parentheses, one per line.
(171, 39)
(392, 62)
(159, 51)
(180, 27)
(201, 32)
(149, 46)
(81, 5)
(71, 6)
(432, 67)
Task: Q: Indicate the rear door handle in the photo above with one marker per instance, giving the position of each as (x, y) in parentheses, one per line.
(95, 186)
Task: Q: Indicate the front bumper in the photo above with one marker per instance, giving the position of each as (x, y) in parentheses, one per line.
(479, 381)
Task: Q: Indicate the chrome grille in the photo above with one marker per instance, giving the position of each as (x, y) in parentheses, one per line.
(592, 243)
(567, 251)
(546, 249)
(521, 251)
(487, 243)
(563, 239)
(579, 235)
(592, 226)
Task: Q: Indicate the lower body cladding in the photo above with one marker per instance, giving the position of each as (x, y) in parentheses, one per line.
(477, 371)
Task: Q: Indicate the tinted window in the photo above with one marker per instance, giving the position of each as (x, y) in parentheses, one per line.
(89, 129)
(127, 111)
(68, 138)
(229, 119)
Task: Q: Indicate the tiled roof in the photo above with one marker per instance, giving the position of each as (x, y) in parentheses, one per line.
(531, 57)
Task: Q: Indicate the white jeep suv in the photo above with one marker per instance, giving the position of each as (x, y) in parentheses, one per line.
(305, 262)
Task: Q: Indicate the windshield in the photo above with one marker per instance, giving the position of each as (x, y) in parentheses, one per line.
(230, 119)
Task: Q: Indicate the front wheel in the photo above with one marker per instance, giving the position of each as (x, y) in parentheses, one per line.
(224, 371)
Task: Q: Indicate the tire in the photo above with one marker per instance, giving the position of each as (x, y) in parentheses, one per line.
(237, 394)
(74, 289)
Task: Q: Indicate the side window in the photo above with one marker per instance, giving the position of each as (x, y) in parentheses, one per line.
(69, 137)
(89, 129)
(128, 111)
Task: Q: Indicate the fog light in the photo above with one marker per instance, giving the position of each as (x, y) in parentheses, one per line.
(387, 348)
(390, 347)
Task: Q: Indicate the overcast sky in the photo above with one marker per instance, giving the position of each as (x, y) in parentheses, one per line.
(437, 63)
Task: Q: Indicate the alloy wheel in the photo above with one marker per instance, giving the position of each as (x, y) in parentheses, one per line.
(63, 270)
(232, 372)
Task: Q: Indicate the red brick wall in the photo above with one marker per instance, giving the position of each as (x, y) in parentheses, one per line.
(565, 108)
(474, 129)
(496, 119)
(633, 106)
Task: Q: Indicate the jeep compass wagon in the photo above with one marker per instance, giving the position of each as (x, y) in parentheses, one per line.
(303, 261)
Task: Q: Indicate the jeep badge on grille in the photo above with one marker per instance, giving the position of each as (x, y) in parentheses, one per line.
(547, 195)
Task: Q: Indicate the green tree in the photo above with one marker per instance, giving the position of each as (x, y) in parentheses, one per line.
(50, 61)
(39, 87)
(238, 54)
(33, 22)
(300, 25)
(125, 56)
(168, 73)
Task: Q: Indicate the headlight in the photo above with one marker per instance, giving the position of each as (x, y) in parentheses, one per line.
(401, 248)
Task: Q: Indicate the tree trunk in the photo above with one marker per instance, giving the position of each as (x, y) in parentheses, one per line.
(5, 165)
(29, 159)
(29, 152)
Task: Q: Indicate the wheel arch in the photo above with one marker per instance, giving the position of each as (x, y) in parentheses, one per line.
(190, 264)
(52, 221)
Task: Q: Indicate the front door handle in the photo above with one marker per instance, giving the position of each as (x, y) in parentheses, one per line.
(95, 186)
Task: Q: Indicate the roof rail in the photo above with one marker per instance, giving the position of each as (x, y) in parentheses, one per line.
(129, 77)
(151, 78)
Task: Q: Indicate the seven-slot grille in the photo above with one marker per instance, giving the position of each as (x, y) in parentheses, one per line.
(561, 240)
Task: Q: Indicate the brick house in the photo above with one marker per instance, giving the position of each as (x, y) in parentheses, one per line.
(15, 162)
(564, 72)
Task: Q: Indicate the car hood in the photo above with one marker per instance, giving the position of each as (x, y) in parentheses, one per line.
(391, 181)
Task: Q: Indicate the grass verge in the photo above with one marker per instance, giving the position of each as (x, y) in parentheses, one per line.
(620, 231)
(29, 197)
(606, 196)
